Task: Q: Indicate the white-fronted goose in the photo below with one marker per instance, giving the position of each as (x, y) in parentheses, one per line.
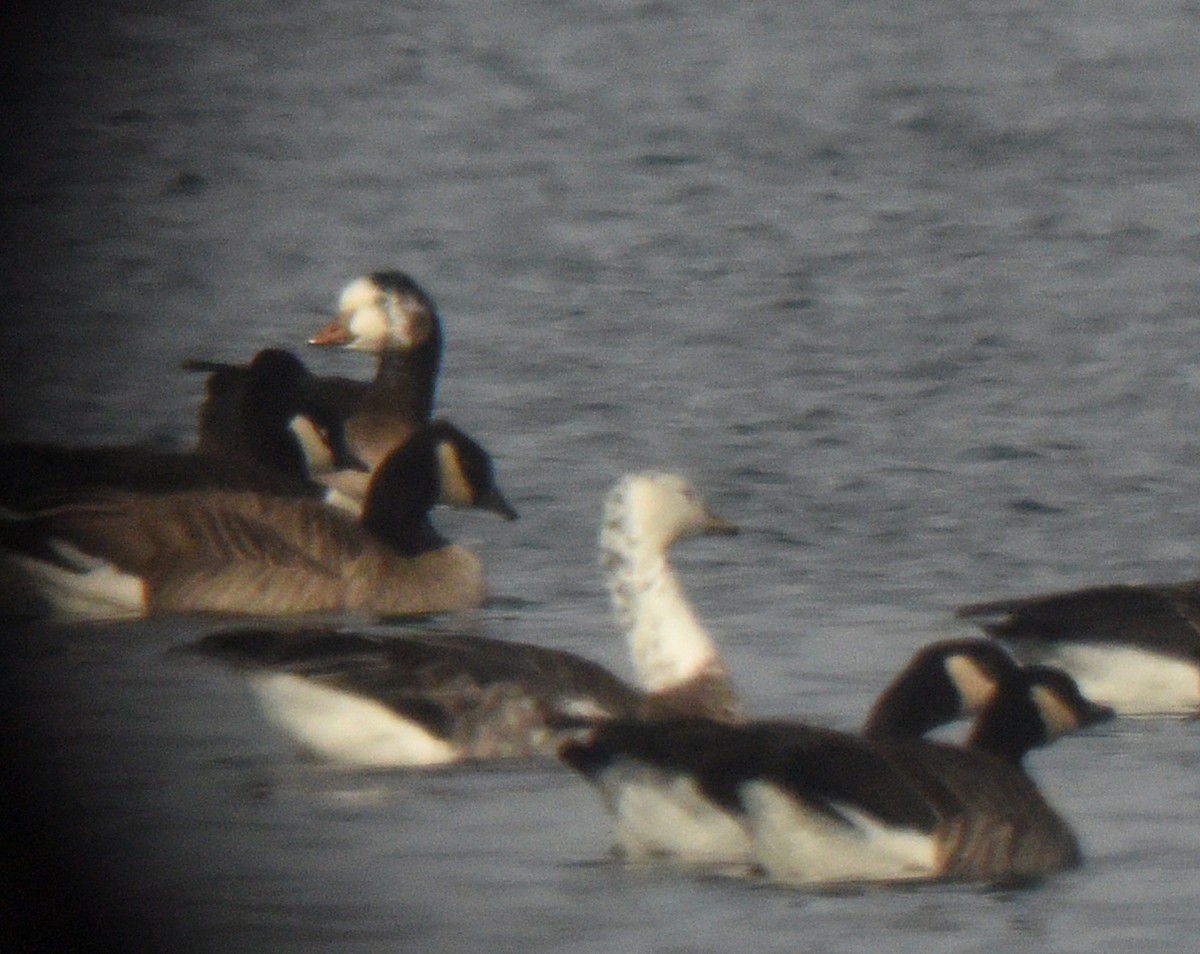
(223, 551)
(1135, 647)
(420, 700)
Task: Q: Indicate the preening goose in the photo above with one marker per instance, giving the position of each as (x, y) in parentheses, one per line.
(385, 313)
(248, 408)
(943, 682)
(812, 804)
(1135, 647)
(429, 699)
(112, 554)
(282, 437)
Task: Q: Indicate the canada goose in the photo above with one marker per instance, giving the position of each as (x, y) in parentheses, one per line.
(248, 407)
(1135, 647)
(282, 439)
(430, 699)
(387, 314)
(120, 553)
(943, 682)
(835, 809)
(687, 789)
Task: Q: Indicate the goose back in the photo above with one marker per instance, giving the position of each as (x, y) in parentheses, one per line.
(810, 804)
(267, 456)
(467, 697)
(257, 553)
(1135, 647)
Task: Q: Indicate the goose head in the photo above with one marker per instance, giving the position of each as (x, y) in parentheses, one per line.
(653, 509)
(1063, 707)
(1033, 713)
(439, 464)
(943, 682)
(383, 311)
(280, 409)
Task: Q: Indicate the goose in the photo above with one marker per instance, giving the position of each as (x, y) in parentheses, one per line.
(284, 439)
(112, 554)
(684, 789)
(426, 699)
(1135, 647)
(385, 313)
(943, 682)
(244, 407)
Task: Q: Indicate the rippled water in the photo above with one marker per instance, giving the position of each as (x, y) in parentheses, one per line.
(909, 289)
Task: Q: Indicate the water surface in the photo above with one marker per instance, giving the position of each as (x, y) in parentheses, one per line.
(908, 289)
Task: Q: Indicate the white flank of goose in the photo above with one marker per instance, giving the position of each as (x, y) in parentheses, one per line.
(419, 700)
(220, 551)
(1135, 647)
(674, 787)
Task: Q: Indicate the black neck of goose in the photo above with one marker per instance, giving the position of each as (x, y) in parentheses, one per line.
(265, 416)
(919, 700)
(403, 490)
(1009, 727)
(406, 380)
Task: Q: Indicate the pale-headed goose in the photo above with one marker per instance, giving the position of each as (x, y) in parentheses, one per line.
(813, 804)
(386, 314)
(425, 699)
(283, 439)
(112, 554)
(1135, 647)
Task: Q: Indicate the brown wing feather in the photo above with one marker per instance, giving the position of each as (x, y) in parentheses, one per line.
(243, 552)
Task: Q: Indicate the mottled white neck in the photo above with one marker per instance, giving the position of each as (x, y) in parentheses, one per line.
(668, 644)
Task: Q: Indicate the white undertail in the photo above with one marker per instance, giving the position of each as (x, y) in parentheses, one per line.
(79, 587)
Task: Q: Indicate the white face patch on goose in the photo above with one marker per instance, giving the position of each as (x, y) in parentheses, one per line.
(359, 293)
(368, 326)
(362, 316)
(313, 444)
(976, 688)
(1058, 717)
(455, 488)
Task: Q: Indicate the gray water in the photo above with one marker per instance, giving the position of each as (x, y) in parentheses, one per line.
(908, 289)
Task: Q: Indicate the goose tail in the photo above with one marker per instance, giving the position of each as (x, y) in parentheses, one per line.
(61, 582)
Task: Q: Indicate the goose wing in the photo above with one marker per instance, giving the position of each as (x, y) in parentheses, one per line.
(995, 823)
(1162, 617)
(489, 697)
(153, 534)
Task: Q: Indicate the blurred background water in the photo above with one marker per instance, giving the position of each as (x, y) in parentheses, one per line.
(908, 289)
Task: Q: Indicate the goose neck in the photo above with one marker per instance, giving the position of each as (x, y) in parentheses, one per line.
(406, 380)
(668, 644)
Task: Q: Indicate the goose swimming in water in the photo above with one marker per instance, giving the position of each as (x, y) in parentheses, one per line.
(1135, 647)
(283, 440)
(812, 804)
(431, 699)
(384, 313)
(112, 554)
